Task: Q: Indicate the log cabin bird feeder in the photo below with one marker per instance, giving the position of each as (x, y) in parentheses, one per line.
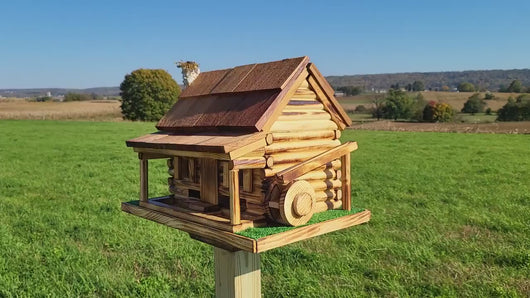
(251, 146)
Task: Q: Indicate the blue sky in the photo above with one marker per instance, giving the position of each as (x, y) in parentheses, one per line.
(81, 44)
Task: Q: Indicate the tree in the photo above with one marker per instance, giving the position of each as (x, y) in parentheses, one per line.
(466, 87)
(474, 104)
(350, 90)
(398, 105)
(515, 86)
(147, 94)
(379, 107)
(71, 96)
(418, 86)
(438, 112)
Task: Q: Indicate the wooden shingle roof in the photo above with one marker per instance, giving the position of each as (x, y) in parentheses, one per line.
(235, 99)
(228, 112)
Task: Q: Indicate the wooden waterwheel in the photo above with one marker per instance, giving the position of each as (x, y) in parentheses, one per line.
(292, 204)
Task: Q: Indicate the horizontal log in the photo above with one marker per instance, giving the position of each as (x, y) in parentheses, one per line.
(335, 164)
(304, 92)
(303, 125)
(325, 184)
(269, 172)
(297, 105)
(302, 135)
(338, 174)
(339, 194)
(269, 161)
(303, 102)
(303, 85)
(338, 133)
(316, 161)
(319, 175)
(325, 195)
(248, 163)
(294, 157)
(305, 145)
(296, 116)
(327, 205)
(304, 96)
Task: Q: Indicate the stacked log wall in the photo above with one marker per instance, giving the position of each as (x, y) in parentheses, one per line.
(303, 130)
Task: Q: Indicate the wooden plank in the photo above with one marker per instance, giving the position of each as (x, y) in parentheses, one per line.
(292, 173)
(335, 116)
(225, 237)
(176, 161)
(247, 180)
(295, 157)
(304, 145)
(235, 213)
(319, 175)
(327, 205)
(296, 106)
(231, 240)
(144, 184)
(192, 170)
(306, 232)
(275, 109)
(281, 167)
(272, 75)
(328, 90)
(237, 274)
(209, 219)
(290, 126)
(324, 184)
(321, 80)
(221, 156)
(247, 148)
(346, 182)
(224, 172)
(304, 116)
(209, 180)
(326, 195)
(248, 163)
(232, 79)
(306, 135)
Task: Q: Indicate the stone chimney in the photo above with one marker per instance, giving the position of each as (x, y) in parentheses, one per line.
(190, 71)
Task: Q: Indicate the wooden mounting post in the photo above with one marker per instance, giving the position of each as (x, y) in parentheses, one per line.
(346, 187)
(235, 214)
(143, 178)
(237, 274)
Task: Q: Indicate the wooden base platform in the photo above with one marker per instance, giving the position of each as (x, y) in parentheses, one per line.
(214, 218)
(233, 242)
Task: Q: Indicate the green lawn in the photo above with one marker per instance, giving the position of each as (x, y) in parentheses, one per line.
(450, 217)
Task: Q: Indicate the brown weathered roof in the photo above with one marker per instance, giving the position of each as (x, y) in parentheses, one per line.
(251, 77)
(201, 142)
(232, 99)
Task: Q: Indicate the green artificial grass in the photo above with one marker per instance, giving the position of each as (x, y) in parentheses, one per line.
(449, 219)
(260, 232)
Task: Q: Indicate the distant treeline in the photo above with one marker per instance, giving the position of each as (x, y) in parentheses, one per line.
(41, 92)
(482, 80)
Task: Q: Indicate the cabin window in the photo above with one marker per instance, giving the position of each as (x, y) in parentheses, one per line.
(245, 180)
(189, 169)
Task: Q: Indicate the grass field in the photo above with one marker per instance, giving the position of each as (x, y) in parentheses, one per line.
(99, 110)
(450, 218)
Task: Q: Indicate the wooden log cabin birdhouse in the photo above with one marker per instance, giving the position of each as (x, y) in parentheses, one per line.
(250, 146)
